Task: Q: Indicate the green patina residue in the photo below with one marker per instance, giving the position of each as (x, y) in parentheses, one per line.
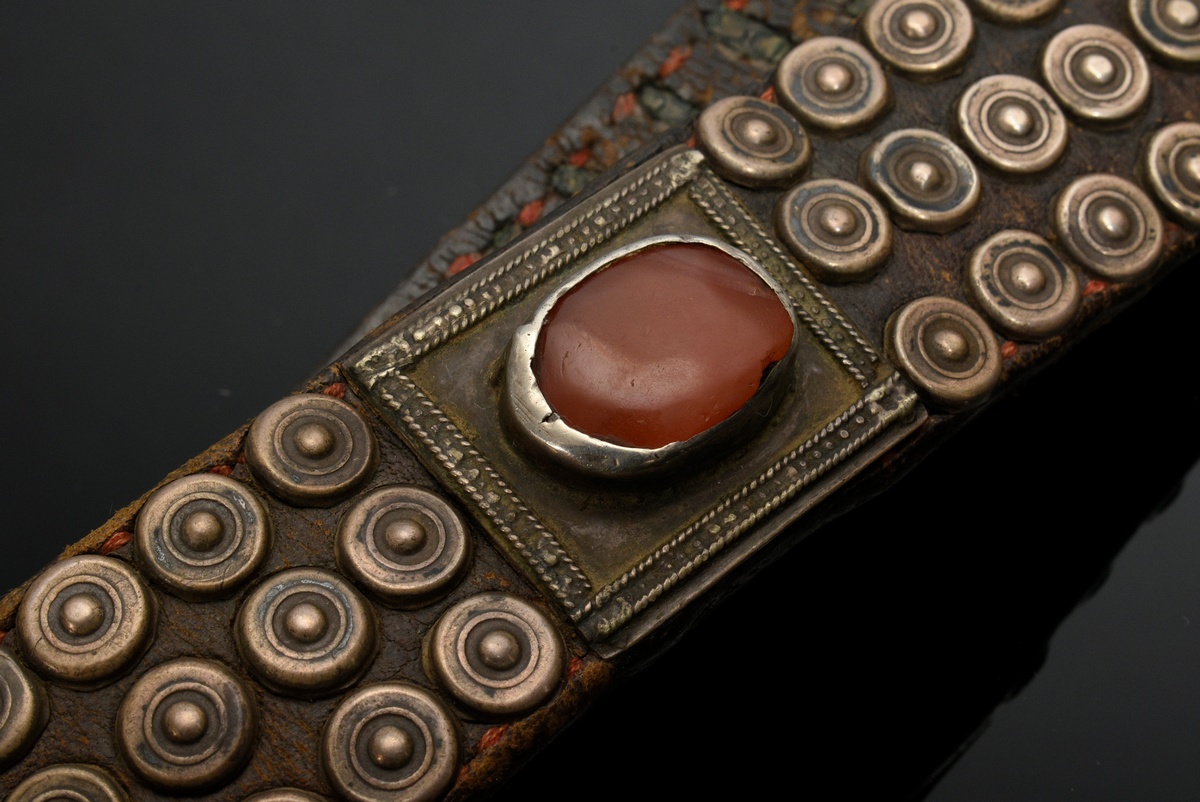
(746, 35)
(568, 179)
(665, 105)
(506, 233)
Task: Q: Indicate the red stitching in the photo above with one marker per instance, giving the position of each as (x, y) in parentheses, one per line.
(221, 470)
(768, 94)
(491, 738)
(674, 60)
(3, 635)
(531, 212)
(736, 5)
(580, 157)
(574, 668)
(461, 263)
(335, 390)
(116, 541)
(1008, 350)
(1094, 286)
(626, 104)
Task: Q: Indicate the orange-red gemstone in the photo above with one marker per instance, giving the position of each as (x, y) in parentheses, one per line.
(660, 345)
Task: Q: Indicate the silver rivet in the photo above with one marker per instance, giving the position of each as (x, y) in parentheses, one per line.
(311, 450)
(1110, 226)
(1016, 11)
(1022, 285)
(836, 229)
(391, 742)
(1096, 73)
(1172, 167)
(285, 795)
(753, 142)
(187, 725)
(926, 179)
(69, 782)
(921, 37)
(86, 619)
(306, 631)
(946, 349)
(1171, 28)
(832, 83)
(1012, 123)
(402, 544)
(202, 536)
(24, 710)
(496, 653)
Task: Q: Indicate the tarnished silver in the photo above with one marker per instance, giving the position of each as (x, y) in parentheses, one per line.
(920, 37)
(946, 349)
(1171, 28)
(1171, 163)
(1012, 123)
(753, 142)
(496, 653)
(202, 536)
(306, 632)
(392, 742)
(1019, 282)
(86, 619)
(311, 450)
(188, 725)
(402, 544)
(1096, 73)
(24, 710)
(1110, 226)
(832, 83)
(69, 782)
(530, 416)
(836, 229)
(1016, 11)
(285, 795)
(926, 180)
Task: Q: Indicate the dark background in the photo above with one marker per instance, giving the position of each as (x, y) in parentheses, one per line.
(199, 201)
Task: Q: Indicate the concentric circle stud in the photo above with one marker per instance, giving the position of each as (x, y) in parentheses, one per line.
(69, 782)
(496, 653)
(1096, 73)
(832, 83)
(1016, 11)
(753, 142)
(306, 631)
(1019, 282)
(1110, 226)
(285, 795)
(24, 710)
(1171, 28)
(187, 725)
(391, 742)
(311, 450)
(402, 544)
(919, 37)
(836, 229)
(926, 180)
(1172, 167)
(86, 619)
(202, 536)
(1012, 123)
(946, 349)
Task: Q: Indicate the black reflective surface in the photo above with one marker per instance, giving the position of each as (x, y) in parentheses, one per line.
(197, 203)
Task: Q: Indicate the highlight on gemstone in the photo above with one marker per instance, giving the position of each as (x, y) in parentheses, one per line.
(660, 345)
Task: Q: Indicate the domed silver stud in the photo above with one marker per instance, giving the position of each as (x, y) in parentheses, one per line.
(1022, 285)
(1012, 123)
(836, 229)
(69, 782)
(496, 653)
(306, 631)
(402, 544)
(1110, 226)
(24, 710)
(1172, 167)
(1171, 28)
(202, 536)
(311, 450)
(832, 83)
(285, 795)
(926, 180)
(1016, 11)
(1096, 73)
(392, 742)
(946, 349)
(187, 725)
(86, 619)
(919, 37)
(753, 142)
